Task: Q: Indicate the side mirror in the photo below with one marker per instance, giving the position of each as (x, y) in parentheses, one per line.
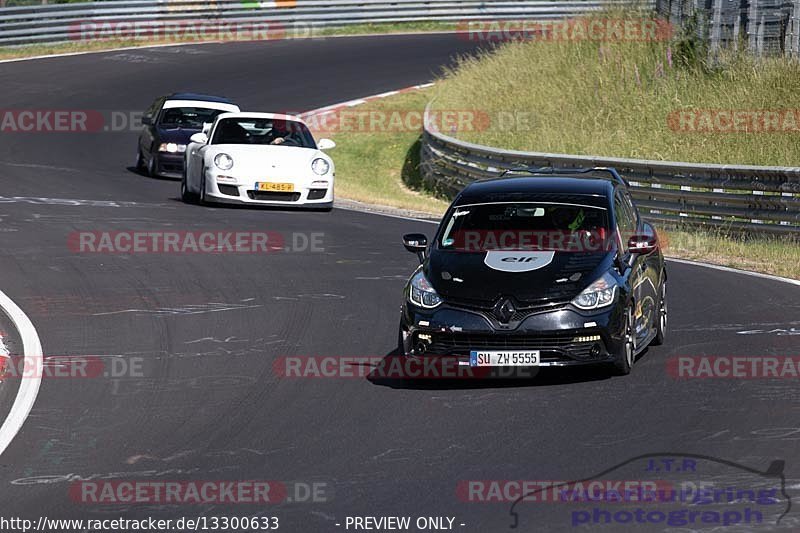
(147, 121)
(416, 243)
(326, 144)
(201, 138)
(642, 243)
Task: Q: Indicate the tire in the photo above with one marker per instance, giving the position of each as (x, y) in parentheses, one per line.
(202, 196)
(661, 324)
(186, 195)
(139, 165)
(151, 167)
(402, 349)
(624, 360)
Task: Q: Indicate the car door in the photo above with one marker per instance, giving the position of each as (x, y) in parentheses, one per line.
(647, 274)
(627, 223)
(149, 134)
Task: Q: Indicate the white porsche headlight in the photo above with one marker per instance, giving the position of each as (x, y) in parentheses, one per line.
(421, 292)
(599, 294)
(320, 166)
(223, 161)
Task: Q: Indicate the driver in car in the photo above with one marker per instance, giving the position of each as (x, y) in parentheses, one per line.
(280, 135)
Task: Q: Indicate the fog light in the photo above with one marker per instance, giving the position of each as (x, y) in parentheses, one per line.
(595, 350)
(588, 338)
(226, 179)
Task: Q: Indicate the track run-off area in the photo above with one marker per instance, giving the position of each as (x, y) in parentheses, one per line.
(188, 343)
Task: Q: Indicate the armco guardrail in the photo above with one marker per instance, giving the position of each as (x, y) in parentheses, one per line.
(749, 198)
(138, 18)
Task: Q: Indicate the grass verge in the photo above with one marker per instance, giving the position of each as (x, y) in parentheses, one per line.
(377, 165)
(643, 100)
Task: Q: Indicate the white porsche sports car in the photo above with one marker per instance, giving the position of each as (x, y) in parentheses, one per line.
(258, 158)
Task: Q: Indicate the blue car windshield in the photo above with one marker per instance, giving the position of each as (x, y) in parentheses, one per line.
(187, 117)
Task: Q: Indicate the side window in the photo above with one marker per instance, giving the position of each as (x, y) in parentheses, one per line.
(154, 107)
(625, 218)
(628, 202)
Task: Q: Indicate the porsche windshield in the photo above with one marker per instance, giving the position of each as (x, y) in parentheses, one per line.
(525, 226)
(263, 131)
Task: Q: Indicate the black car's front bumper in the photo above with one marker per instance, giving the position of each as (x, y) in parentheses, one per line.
(168, 165)
(563, 336)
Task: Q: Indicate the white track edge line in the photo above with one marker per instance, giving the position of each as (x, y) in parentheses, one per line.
(29, 386)
(735, 271)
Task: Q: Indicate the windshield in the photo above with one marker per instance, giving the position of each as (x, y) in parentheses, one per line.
(526, 226)
(264, 132)
(187, 117)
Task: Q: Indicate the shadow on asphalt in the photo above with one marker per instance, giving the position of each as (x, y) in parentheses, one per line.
(133, 170)
(177, 199)
(384, 376)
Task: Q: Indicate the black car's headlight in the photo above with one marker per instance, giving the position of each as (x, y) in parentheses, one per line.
(421, 292)
(599, 294)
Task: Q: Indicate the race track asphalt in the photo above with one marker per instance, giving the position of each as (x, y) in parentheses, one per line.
(207, 328)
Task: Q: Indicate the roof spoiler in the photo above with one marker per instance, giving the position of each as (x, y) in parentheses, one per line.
(548, 171)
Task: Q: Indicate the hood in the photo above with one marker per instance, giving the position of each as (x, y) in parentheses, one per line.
(274, 160)
(528, 276)
(176, 135)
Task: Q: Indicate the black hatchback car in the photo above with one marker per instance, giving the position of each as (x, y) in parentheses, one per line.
(548, 268)
(168, 124)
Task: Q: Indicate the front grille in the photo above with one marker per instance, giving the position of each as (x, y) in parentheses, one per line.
(169, 166)
(230, 190)
(524, 309)
(274, 196)
(553, 347)
(317, 194)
